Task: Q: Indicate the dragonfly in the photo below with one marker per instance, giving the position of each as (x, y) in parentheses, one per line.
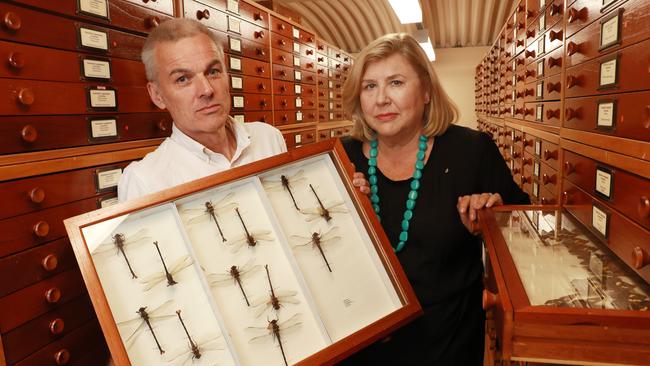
(176, 267)
(120, 241)
(274, 329)
(276, 298)
(250, 237)
(197, 348)
(212, 211)
(162, 312)
(318, 240)
(322, 211)
(235, 273)
(285, 183)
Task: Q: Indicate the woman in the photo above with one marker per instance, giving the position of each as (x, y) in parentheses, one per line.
(427, 180)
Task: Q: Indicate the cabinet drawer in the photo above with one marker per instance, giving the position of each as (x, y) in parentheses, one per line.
(625, 70)
(249, 84)
(626, 192)
(252, 14)
(207, 15)
(282, 88)
(247, 30)
(554, 13)
(283, 43)
(284, 58)
(284, 103)
(307, 64)
(308, 52)
(283, 72)
(279, 26)
(35, 300)
(52, 31)
(622, 115)
(548, 113)
(164, 6)
(305, 102)
(255, 116)
(248, 66)
(282, 118)
(251, 102)
(584, 12)
(236, 45)
(34, 133)
(47, 328)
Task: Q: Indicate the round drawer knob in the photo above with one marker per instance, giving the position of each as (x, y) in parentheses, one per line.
(29, 133)
(490, 299)
(16, 60)
(12, 21)
(644, 207)
(152, 22)
(62, 357)
(26, 97)
(640, 257)
(56, 326)
(566, 198)
(53, 295)
(203, 14)
(50, 262)
(162, 125)
(41, 229)
(37, 195)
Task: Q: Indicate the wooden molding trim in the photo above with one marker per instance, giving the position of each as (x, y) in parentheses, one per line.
(628, 163)
(635, 148)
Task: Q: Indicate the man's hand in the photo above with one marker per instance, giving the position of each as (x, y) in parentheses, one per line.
(469, 205)
(359, 180)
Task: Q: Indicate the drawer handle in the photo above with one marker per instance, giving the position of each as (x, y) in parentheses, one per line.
(519, 95)
(490, 299)
(520, 25)
(321, 71)
(552, 113)
(520, 78)
(575, 14)
(530, 73)
(548, 201)
(37, 194)
(552, 62)
(529, 111)
(284, 103)
(508, 56)
(530, 54)
(572, 48)
(553, 36)
(50, 262)
(519, 110)
(262, 103)
(309, 52)
(572, 81)
(551, 87)
(546, 179)
(285, 118)
(521, 61)
(257, 16)
(41, 229)
(528, 92)
(571, 114)
(548, 154)
(566, 198)
(12, 21)
(162, 125)
(203, 14)
(528, 142)
(261, 86)
(259, 34)
(644, 207)
(516, 154)
(516, 171)
(283, 89)
(26, 97)
(520, 42)
(310, 65)
(152, 22)
(640, 257)
(260, 70)
(16, 60)
(29, 133)
(283, 73)
(556, 9)
(56, 326)
(527, 161)
(62, 357)
(282, 58)
(529, 14)
(53, 295)
(568, 168)
(260, 52)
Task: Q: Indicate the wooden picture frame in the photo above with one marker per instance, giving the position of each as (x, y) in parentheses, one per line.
(341, 296)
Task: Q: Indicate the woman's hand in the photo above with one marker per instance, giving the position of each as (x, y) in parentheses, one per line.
(359, 180)
(468, 207)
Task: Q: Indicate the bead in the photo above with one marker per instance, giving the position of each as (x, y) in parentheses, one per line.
(375, 207)
(418, 164)
(374, 189)
(417, 174)
(372, 179)
(410, 204)
(413, 195)
(373, 153)
(405, 225)
(422, 145)
(408, 214)
(399, 247)
(372, 170)
(374, 144)
(403, 236)
(372, 161)
(424, 138)
(421, 155)
(415, 184)
(374, 198)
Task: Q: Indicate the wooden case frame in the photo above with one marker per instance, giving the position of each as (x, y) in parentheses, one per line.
(357, 210)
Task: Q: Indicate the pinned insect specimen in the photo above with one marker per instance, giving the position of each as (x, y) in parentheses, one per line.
(285, 183)
(236, 273)
(274, 329)
(318, 240)
(250, 237)
(195, 349)
(175, 268)
(120, 241)
(276, 298)
(162, 312)
(322, 211)
(211, 211)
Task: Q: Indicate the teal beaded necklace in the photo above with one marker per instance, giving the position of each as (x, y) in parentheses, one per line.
(413, 194)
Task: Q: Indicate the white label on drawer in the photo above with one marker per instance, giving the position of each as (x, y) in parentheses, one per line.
(297, 75)
(96, 69)
(330, 84)
(514, 65)
(605, 114)
(331, 94)
(103, 98)
(542, 22)
(93, 39)
(235, 63)
(541, 4)
(330, 73)
(331, 106)
(296, 61)
(103, 128)
(512, 109)
(296, 32)
(298, 102)
(538, 147)
(540, 68)
(296, 47)
(95, 7)
(535, 189)
(239, 118)
(609, 31)
(233, 6)
(236, 82)
(606, 2)
(599, 220)
(540, 46)
(540, 90)
(604, 181)
(297, 138)
(608, 72)
(108, 202)
(297, 89)
(331, 116)
(234, 24)
(514, 80)
(299, 116)
(514, 95)
(539, 112)
(238, 101)
(512, 164)
(235, 44)
(108, 178)
(536, 169)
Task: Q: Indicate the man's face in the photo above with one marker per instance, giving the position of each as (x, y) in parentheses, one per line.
(192, 84)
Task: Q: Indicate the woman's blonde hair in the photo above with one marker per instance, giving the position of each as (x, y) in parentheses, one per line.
(439, 113)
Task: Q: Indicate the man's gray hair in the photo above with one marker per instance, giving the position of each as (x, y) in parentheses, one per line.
(171, 31)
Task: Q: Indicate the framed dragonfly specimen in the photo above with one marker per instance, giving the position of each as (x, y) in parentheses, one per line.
(279, 262)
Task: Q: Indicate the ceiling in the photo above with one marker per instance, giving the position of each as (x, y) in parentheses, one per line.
(352, 24)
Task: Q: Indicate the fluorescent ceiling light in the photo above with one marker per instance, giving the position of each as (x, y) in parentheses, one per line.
(408, 11)
(428, 49)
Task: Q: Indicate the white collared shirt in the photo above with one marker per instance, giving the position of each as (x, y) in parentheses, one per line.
(180, 159)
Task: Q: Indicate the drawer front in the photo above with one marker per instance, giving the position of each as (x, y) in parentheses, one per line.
(284, 103)
(281, 27)
(281, 42)
(305, 102)
(554, 14)
(548, 178)
(284, 58)
(252, 102)
(47, 328)
(623, 71)
(308, 77)
(282, 88)
(548, 113)
(623, 115)
(626, 192)
(309, 52)
(584, 12)
(323, 115)
(21, 306)
(308, 64)
(553, 38)
(207, 15)
(547, 197)
(34, 133)
(164, 6)
(623, 26)
(56, 32)
(247, 66)
(253, 14)
(283, 72)
(249, 84)
(248, 30)
(236, 45)
(282, 118)
(261, 116)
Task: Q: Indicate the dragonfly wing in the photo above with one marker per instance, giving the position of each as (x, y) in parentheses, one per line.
(164, 310)
(236, 244)
(152, 280)
(259, 334)
(219, 279)
(292, 322)
(252, 270)
(177, 355)
(338, 207)
(198, 218)
(227, 207)
(105, 247)
(264, 235)
(180, 264)
(130, 339)
(286, 296)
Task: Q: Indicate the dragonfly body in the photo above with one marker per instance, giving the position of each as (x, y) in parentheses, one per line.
(275, 329)
(147, 317)
(212, 210)
(319, 240)
(285, 183)
(236, 274)
(121, 241)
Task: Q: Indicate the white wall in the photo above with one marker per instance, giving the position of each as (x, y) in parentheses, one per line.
(456, 68)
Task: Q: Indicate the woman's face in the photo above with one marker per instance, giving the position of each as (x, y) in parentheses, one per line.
(392, 97)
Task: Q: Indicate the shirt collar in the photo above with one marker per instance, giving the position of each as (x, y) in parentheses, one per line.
(241, 135)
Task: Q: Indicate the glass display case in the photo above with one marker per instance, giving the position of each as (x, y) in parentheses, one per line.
(279, 262)
(556, 293)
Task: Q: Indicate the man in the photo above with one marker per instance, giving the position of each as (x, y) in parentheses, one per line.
(186, 72)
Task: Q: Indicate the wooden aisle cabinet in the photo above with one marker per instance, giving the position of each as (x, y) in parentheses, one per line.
(75, 112)
(565, 93)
